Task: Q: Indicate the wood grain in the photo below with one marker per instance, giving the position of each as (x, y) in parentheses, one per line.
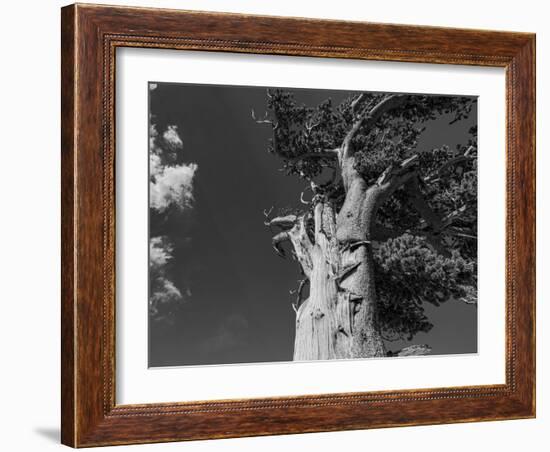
(90, 36)
(68, 310)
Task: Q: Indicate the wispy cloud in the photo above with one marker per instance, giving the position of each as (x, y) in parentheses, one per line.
(172, 137)
(164, 294)
(160, 252)
(171, 185)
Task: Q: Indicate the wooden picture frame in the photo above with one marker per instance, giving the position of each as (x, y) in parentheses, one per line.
(90, 36)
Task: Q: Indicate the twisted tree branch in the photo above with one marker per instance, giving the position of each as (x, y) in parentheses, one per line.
(368, 118)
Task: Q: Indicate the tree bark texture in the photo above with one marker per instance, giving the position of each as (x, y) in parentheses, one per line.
(338, 320)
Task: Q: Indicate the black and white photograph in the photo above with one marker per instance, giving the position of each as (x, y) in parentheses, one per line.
(303, 224)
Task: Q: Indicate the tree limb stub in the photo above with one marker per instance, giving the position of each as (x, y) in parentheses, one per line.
(293, 230)
(354, 245)
(284, 222)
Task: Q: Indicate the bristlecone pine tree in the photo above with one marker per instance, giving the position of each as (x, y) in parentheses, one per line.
(386, 226)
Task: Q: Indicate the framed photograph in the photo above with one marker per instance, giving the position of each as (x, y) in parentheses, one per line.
(281, 225)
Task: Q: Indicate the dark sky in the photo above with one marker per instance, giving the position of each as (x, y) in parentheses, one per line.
(240, 307)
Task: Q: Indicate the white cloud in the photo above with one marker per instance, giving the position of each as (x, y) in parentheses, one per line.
(160, 252)
(166, 293)
(153, 86)
(172, 137)
(171, 184)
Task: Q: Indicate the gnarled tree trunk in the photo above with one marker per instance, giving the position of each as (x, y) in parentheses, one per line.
(338, 320)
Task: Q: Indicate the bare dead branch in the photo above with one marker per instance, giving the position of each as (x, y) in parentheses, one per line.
(355, 103)
(354, 245)
(267, 213)
(287, 221)
(302, 200)
(293, 230)
(263, 120)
